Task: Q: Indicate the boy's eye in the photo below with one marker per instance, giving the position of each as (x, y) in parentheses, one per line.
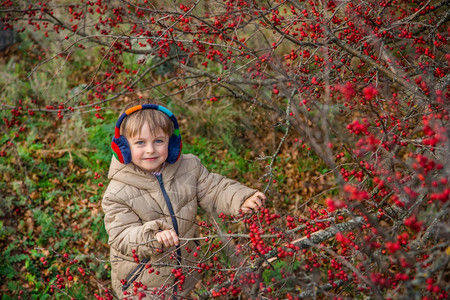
(159, 141)
(140, 143)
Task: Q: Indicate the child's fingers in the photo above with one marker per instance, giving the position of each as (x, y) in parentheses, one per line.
(256, 203)
(168, 238)
(174, 238)
(159, 238)
(246, 210)
(261, 198)
(252, 205)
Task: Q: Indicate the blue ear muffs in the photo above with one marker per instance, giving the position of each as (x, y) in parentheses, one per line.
(121, 148)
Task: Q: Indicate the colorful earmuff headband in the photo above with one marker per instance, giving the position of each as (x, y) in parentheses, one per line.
(121, 148)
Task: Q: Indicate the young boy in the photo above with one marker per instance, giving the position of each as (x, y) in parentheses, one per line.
(151, 202)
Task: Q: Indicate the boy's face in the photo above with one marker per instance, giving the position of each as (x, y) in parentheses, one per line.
(149, 150)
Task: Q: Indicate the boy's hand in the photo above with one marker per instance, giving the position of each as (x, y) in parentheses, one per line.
(253, 202)
(168, 238)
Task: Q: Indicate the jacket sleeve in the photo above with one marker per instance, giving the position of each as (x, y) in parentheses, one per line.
(218, 193)
(126, 230)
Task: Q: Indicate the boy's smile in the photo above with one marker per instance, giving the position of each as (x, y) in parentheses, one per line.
(149, 150)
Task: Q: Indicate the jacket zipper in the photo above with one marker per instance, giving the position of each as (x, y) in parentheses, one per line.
(172, 213)
(136, 271)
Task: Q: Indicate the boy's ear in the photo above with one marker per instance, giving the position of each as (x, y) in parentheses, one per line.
(121, 149)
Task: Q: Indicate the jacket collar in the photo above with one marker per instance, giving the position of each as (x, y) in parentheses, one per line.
(132, 175)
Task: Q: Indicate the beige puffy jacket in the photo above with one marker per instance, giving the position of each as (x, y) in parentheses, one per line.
(135, 209)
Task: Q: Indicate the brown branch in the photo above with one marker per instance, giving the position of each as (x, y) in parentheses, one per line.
(319, 236)
(431, 228)
(325, 287)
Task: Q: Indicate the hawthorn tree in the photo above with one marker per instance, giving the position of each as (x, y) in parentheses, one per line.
(362, 84)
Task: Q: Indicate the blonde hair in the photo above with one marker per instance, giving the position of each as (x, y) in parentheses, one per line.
(156, 120)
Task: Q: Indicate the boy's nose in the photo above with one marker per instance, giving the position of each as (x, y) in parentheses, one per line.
(149, 149)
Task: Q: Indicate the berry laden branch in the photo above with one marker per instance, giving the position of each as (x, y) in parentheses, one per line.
(347, 100)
